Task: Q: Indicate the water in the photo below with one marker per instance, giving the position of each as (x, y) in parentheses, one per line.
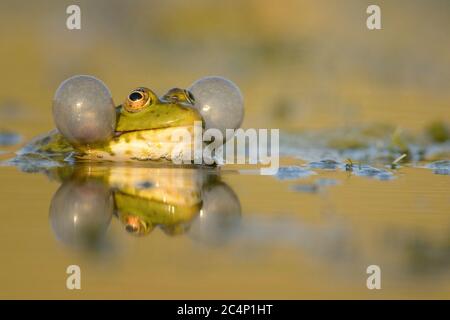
(224, 233)
(348, 102)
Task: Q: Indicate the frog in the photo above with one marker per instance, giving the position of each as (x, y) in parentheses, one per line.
(144, 129)
(142, 199)
(146, 198)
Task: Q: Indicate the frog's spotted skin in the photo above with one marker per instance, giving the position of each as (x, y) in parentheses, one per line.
(145, 130)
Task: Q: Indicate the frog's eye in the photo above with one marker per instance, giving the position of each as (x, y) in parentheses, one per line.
(131, 229)
(189, 96)
(138, 99)
(136, 226)
(136, 96)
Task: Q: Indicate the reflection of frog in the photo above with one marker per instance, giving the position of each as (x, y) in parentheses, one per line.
(145, 124)
(142, 198)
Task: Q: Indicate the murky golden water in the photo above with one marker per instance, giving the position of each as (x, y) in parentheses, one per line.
(283, 244)
(302, 66)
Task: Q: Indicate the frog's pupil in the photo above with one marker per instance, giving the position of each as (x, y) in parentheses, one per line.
(135, 96)
(131, 228)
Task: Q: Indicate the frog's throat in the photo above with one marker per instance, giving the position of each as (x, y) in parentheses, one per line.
(152, 144)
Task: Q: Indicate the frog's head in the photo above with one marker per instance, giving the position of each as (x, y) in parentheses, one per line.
(143, 110)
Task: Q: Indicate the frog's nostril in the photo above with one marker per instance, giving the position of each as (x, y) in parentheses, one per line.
(135, 96)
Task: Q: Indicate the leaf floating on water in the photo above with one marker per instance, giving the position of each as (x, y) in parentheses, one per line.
(293, 172)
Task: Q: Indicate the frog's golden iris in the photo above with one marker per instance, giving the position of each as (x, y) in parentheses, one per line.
(139, 99)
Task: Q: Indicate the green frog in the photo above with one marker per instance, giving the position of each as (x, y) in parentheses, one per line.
(144, 129)
(176, 200)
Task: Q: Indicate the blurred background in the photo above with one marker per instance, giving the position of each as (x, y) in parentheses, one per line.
(303, 66)
(300, 64)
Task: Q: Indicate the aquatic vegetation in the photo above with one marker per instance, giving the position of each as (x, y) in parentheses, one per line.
(440, 167)
(293, 172)
(9, 138)
(347, 143)
(395, 163)
(371, 172)
(326, 164)
(400, 142)
(349, 165)
(381, 144)
(438, 131)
